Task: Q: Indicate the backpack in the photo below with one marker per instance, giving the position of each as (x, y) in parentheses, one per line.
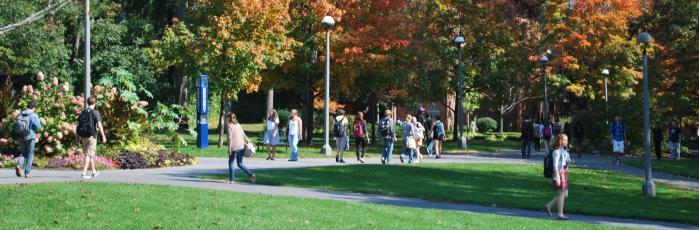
(535, 129)
(339, 128)
(439, 130)
(547, 131)
(358, 130)
(548, 164)
(21, 128)
(86, 124)
(385, 127)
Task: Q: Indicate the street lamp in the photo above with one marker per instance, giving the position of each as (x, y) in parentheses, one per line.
(648, 186)
(544, 60)
(328, 24)
(459, 41)
(605, 72)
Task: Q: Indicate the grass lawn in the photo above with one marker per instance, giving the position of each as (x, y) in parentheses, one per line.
(684, 167)
(373, 150)
(505, 185)
(128, 206)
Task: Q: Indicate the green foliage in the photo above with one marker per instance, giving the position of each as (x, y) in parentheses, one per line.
(167, 119)
(486, 124)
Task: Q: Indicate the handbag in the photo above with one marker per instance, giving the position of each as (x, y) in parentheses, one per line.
(410, 143)
(250, 150)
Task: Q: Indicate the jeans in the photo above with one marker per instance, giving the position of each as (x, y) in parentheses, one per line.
(293, 147)
(537, 144)
(387, 152)
(26, 149)
(237, 155)
(675, 150)
(526, 148)
(360, 142)
(410, 152)
(657, 146)
(430, 147)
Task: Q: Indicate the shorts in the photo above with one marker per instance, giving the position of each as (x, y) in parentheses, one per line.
(89, 145)
(618, 146)
(269, 140)
(341, 142)
(564, 180)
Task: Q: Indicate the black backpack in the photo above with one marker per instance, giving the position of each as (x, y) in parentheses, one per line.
(86, 124)
(339, 128)
(385, 127)
(548, 164)
(21, 128)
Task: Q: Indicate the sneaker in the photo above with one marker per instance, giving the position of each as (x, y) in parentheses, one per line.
(18, 171)
(361, 160)
(342, 161)
(337, 159)
(383, 161)
(95, 174)
(86, 176)
(401, 159)
(253, 178)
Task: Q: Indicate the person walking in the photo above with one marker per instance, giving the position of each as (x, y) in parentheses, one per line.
(429, 130)
(674, 138)
(272, 134)
(527, 135)
(419, 135)
(561, 160)
(658, 142)
(439, 136)
(547, 132)
(408, 139)
(25, 128)
(236, 148)
(618, 132)
(340, 133)
(389, 137)
(89, 123)
(295, 128)
(360, 135)
(537, 135)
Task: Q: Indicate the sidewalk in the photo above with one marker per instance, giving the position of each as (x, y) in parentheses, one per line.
(186, 176)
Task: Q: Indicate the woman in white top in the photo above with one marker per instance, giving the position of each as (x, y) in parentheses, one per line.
(561, 159)
(419, 135)
(272, 134)
(294, 127)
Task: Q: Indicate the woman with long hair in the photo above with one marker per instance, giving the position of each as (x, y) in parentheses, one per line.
(236, 148)
(360, 135)
(272, 134)
(419, 135)
(561, 159)
(295, 126)
(408, 139)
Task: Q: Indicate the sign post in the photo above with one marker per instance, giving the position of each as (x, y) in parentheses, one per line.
(202, 111)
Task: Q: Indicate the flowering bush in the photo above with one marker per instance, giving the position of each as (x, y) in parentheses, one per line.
(76, 158)
(7, 161)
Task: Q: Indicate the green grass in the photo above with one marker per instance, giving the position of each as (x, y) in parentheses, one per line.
(128, 206)
(373, 150)
(684, 167)
(592, 192)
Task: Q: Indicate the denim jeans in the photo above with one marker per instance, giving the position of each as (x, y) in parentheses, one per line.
(430, 147)
(294, 147)
(237, 156)
(410, 152)
(26, 149)
(387, 152)
(675, 150)
(526, 148)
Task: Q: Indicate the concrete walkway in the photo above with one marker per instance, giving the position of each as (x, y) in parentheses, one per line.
(186, 176)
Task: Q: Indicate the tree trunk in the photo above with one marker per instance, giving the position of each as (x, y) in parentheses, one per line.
(221, 120)
(181, 83)
(308, 115)
(501, 121)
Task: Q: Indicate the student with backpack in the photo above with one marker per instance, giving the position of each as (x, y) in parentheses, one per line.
(89, 122)
(618, 132)
(25, 128)
(547, 132)
(429, 129)
(537, 135)
(295, 126)
(340, 133)
(527, 135)
(360, 135)
(556, 167)
(439, 136)
(389, 137)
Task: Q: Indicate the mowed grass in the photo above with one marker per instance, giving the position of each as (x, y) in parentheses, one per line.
(314, 151)
(522, 186)
(132, 206)
(684, 167)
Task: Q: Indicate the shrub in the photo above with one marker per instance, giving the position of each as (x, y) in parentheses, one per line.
(486, 124)
(75, 159)
(7, 161)
(132, 160)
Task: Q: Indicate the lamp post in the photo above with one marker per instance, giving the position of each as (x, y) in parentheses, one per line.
(88, 85)
(459, 41)
(544, 60)
(328, 24)
(605, 72)
(648, 186)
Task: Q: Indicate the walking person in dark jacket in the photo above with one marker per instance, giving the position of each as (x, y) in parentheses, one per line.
(658, 141)
(527, 137)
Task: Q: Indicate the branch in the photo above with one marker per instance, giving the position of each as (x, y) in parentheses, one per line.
(35, 16)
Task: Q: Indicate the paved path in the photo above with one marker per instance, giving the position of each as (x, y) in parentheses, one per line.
(185, 176)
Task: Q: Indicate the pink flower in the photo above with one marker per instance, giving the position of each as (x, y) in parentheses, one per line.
(40, 76)
(3, 141)
(30, 89)
(25, 88)
(43, 122)
(65, 87)
(142, 103)
(48, 149)
(15, 113)
(98, 88)
(54, 81)
(46, 134)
